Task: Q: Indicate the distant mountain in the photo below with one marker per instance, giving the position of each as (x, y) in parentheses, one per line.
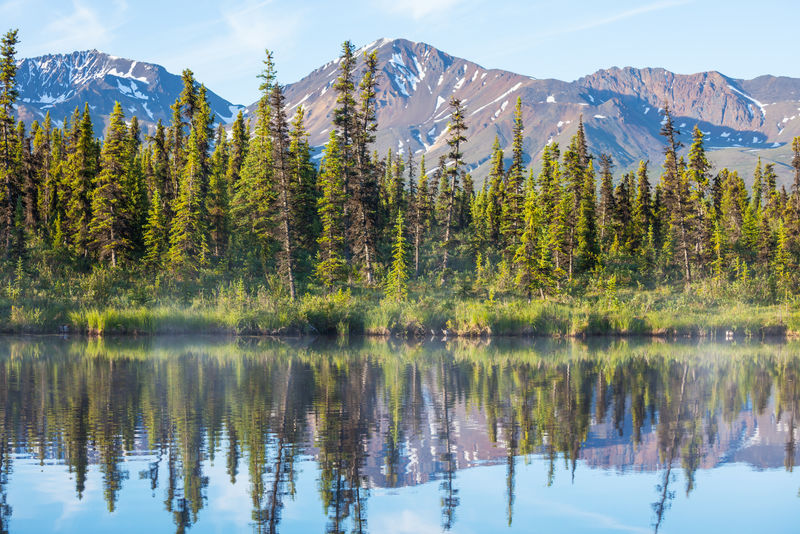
(59, 82)
(743, 119)
(620, 108)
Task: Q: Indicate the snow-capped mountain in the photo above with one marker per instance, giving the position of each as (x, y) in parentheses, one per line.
(59, 82)
(742, 119)
(620, 108)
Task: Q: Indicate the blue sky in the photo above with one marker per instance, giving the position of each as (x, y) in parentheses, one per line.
(223, 42)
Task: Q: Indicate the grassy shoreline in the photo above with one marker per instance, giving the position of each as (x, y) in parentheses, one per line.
(638, 314)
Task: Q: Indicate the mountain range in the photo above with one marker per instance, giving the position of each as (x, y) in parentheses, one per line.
(620, 107)
(57, 83)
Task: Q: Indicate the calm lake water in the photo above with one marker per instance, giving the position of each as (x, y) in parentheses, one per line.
(220, 435)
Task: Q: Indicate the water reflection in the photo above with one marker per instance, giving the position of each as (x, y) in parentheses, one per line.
(376, 414)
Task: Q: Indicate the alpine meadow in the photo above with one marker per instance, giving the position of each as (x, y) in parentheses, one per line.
(198, 226)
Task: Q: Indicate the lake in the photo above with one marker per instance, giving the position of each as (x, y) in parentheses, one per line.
(244, 435)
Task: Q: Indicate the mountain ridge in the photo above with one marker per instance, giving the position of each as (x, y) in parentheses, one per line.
(620, 106)
(59, 82)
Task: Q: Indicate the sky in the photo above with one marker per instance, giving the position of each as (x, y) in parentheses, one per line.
(224, 42)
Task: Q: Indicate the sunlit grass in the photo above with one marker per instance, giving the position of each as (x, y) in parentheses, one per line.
(102, 304)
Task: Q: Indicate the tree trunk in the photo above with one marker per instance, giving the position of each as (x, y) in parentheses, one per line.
(449, 219)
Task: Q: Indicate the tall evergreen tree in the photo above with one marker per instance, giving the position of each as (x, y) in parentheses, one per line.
(607, 206)
(513, 197)
(587, 248)
(156, 234)
(495, 192)
(397, 280)
(113, 216)
(188, 245)
(361, 185)
(254, 197)
(330, 259)
(237, 151)
(421, 214)
(456, 129)
(8, 171)
(82, 168)
(304, 184)
(642, 207)
(530, 275)
(279, 130)
(676, 192)
(344, 124)
(700, 205)
(217, 202)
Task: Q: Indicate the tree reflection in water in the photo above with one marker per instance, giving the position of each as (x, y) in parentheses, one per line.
(379, 414)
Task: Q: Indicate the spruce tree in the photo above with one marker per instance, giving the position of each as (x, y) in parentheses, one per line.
(344, 115)
(188, 245)
(254, 198)
(135, 186)
(676, 190)
(8, 172)
(361, 185)
(549, 180)
(587, 248)
(513, 198)
(421, 211)
(82, 168)
(495, 192)
(112, 220)
(607, 206)
(156, 234)
(8, 93)
(624, 233)
(279, 129)
(526, 257)
(782, 263)
(217, 196)
(330, 260)
(574, 178)
(757, 187)
(27, 176)
(397, 280)
(237, 151)
(642, 207)
(46, 163)
(304, 185)
(456, 129)
(701, 209)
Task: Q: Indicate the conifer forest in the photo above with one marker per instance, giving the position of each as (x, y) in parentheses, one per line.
(196, 226)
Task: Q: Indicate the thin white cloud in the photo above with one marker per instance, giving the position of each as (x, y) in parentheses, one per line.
(82, 27)
(596, 23)
(418, 9)
(237, 39)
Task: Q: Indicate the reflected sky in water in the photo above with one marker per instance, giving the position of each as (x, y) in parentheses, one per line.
(217, 435)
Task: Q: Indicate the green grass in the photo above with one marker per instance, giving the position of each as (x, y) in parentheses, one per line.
(106, 304)
(342, 314)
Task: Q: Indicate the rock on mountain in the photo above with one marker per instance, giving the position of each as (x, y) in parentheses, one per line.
(742, 119)
(620, 108)
(59, 82)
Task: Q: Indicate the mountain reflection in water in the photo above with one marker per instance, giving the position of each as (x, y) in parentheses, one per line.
(367, 416)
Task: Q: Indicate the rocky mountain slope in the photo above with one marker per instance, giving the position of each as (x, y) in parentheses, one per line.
(59, 82)
(620, 107)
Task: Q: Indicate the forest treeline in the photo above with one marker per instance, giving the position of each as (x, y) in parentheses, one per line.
(190, 202)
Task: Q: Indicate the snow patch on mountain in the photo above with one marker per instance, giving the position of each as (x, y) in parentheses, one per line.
(751, 99)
